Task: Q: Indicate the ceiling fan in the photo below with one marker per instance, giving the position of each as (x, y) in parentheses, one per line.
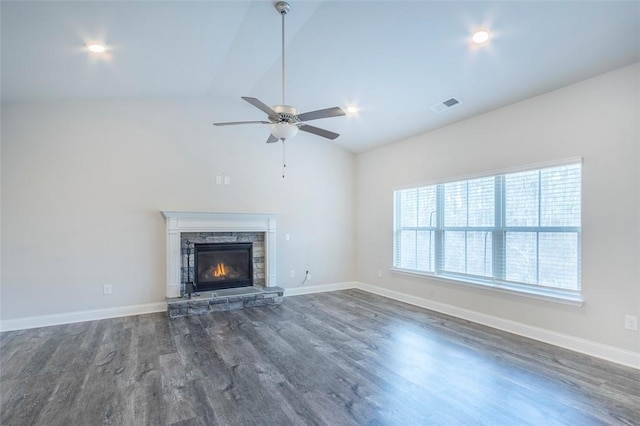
(284, 120)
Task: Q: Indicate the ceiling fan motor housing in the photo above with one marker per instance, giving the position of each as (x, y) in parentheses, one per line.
(286, 113)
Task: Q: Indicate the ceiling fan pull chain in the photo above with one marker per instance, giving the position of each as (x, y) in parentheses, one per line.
(284, 163)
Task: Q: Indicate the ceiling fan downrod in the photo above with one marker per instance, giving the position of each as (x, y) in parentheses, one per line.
(283, 8)
(284, 120)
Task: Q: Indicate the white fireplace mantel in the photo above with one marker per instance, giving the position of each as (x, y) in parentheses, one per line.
(198, 221)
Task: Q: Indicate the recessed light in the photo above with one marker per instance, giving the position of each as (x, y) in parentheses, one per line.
(480, 36)
(96, 47)
(352, 109)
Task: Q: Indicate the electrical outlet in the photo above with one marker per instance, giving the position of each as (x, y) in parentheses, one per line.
(379, 273)
(292, 274)
(307, 276)
(218, 180)
(631, 322)
(107, 289)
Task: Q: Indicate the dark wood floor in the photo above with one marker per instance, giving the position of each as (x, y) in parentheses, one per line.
(341, 358)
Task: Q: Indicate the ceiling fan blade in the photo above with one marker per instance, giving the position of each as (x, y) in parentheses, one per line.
(231, 123)
(318, 131)
(272, 139)
(321, 113)
(260, 105)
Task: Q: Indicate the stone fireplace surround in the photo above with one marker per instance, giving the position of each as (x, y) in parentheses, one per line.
(187, 266)
(220, 226)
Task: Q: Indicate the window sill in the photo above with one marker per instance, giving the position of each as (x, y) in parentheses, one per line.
(547, 294)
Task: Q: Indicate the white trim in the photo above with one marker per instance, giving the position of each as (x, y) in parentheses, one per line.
(588, 347)
(297, 291)
(80, 316)
(549, 294)
(491, 173)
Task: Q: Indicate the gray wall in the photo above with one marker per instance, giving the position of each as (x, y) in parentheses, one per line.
(596, 119)
(83, 184)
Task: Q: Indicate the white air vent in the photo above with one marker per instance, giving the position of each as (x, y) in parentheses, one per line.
(444, 105)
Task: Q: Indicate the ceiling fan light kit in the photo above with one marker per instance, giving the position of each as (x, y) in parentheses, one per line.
(284, 120)
(283, 131)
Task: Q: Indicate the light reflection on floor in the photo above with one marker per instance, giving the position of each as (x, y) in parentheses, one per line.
(481, 383)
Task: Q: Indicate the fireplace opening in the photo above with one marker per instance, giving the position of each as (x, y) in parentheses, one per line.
(223, 265)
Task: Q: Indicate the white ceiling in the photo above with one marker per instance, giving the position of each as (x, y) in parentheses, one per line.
(393, 59)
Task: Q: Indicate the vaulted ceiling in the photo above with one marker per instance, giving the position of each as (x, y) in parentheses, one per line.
(394, 60)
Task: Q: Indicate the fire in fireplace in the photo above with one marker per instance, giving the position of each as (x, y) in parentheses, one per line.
(223, 265)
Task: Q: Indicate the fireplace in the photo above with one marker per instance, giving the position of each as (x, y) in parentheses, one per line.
(218, 227)
(223, 265)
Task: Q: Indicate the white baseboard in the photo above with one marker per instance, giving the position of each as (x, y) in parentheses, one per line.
(588, 347)
(80, 316)
(98, 314)
(296, 291)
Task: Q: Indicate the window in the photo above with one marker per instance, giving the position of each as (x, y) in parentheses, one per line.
(518, 231)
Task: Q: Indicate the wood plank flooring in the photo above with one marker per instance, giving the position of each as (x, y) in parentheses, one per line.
(341, 358)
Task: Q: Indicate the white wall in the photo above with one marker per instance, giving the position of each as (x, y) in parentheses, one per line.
(597, 119)
(83, 184)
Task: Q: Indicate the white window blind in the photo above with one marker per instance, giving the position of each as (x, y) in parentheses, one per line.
(519, 230)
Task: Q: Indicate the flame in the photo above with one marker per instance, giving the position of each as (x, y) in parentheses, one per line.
(220, 271)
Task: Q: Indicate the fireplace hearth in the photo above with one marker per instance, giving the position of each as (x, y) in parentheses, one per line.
(223, 265)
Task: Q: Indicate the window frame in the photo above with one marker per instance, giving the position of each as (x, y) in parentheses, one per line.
(497, 280)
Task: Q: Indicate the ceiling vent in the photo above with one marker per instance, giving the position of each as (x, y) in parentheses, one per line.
(444, 105)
